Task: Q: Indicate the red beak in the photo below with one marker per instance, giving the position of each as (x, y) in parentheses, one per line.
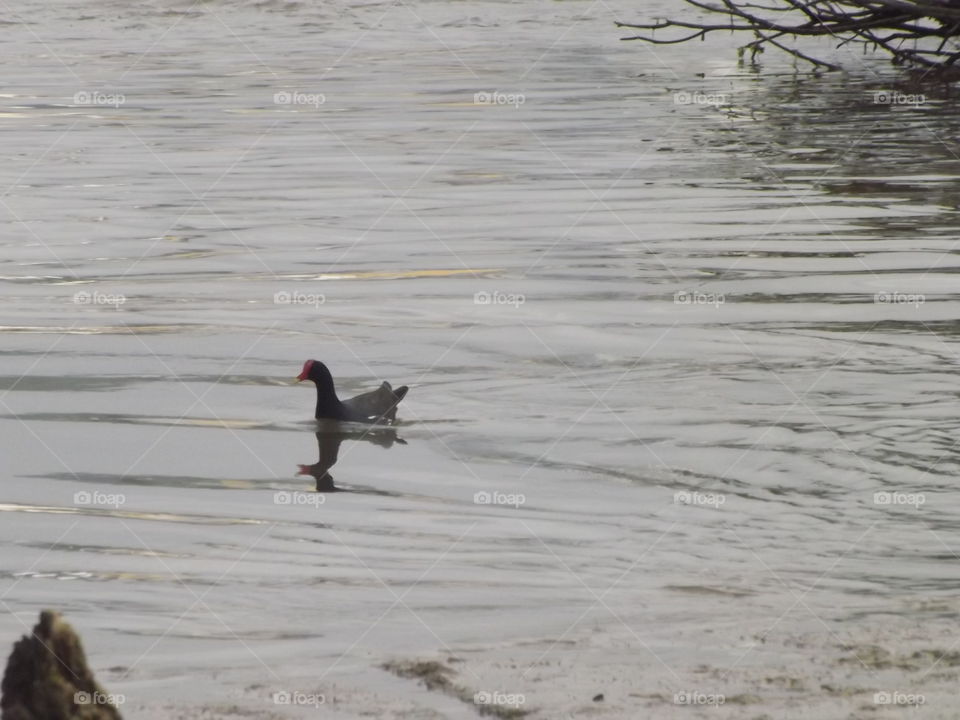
(305, 372)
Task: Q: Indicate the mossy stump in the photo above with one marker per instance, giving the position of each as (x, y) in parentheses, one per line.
(47, 677)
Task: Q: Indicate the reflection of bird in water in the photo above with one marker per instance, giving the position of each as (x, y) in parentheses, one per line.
(328, 441)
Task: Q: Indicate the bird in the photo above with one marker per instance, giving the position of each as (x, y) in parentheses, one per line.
(376, 406)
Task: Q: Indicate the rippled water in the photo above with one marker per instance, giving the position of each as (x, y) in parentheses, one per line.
(715, 331)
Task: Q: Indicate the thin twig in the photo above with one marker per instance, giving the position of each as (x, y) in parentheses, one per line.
(877, 24)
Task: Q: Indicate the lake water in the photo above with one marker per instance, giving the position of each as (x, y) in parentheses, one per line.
(681, 338)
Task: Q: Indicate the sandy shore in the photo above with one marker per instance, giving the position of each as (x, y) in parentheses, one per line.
(609, 670)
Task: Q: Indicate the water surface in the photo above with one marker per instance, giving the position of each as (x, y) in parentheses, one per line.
(682, 344)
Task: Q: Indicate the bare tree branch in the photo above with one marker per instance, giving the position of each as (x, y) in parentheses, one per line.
(912, 32)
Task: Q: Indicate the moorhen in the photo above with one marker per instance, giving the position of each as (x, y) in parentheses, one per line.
(376, 406)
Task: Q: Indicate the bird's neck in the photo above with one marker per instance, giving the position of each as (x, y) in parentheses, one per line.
(328, 404)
